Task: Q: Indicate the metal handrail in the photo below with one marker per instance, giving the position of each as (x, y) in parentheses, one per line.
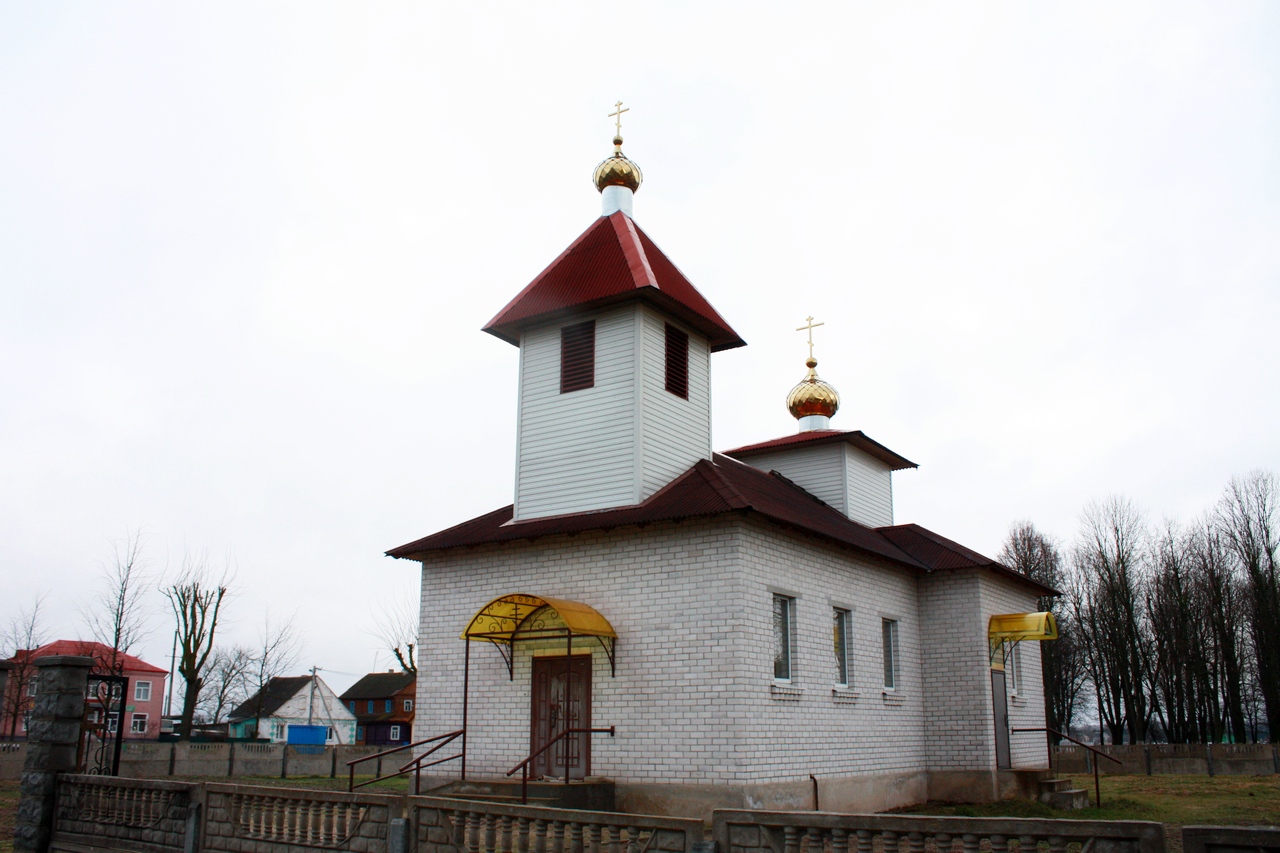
(523, 766)
(1097, 786)
(415, 765)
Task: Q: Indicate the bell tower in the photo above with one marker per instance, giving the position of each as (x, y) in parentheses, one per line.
(615, 363)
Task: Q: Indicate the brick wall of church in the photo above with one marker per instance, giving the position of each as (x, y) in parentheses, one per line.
(1026, 709)
(694, 699)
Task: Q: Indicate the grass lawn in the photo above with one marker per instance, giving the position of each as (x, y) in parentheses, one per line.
(1175, 800)
(8, 812)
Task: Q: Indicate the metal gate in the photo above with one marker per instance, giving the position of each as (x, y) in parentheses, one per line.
(102, 728)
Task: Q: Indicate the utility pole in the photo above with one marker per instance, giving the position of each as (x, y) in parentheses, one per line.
(173, 664)
(311, 697)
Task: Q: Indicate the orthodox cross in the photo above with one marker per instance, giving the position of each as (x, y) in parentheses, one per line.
(809, 328)
(617, 116)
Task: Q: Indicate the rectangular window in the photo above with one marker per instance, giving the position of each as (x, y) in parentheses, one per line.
(352, 703)
(142, 691)
(331, 734)
(138, 724)
(387, 706)
(113, 721)
(578, 357)
(783, 619)
(359, 732)
(395, 733)
(408, 705)
(889, 627)
(840, 637)
(677, 362)
(31, 686)
(371, 704)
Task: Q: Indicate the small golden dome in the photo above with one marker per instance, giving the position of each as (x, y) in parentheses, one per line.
(813, 396)
(618, 171)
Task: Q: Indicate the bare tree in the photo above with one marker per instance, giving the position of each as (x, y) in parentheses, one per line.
(1062, 662)
(24, 633)
(196, 599)
(396, 629)
(1108, 588)
(1249, 517)
(227, 683)
(117, 614)
(276, 654)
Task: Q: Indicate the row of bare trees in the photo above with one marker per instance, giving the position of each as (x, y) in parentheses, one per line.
(213, 678)
(1172, 631)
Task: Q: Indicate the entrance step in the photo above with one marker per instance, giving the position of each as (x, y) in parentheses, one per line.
(593, 796)
(1059, 794)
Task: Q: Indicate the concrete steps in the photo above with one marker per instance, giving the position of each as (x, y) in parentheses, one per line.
(593, 795)
(1059, 794)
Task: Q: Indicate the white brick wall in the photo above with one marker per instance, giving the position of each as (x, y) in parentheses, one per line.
(693, 698)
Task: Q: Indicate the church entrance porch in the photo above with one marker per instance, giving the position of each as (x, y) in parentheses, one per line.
(561, 701)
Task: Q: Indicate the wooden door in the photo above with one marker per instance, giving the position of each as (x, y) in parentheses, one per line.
(561, 700)
(1000, 704)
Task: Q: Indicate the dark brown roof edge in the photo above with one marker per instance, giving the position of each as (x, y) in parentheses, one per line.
(855, 437)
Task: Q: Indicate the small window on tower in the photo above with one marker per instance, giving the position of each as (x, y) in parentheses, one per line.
(677, 362)
(578, 357)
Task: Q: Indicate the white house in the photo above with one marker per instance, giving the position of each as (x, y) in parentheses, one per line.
(745, 621)
(303, 700)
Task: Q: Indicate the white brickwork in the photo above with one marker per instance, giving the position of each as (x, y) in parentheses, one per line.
(1026, 710)
(694, 699)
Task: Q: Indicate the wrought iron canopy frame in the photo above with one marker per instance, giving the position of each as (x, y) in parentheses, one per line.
(506, 644)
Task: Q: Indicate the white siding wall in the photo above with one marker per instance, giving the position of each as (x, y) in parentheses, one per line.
(674, 432)
(818, 470)
(577, 451)
(870, 488)
(693, 698)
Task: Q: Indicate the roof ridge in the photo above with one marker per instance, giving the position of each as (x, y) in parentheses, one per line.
(591, 229)
(722, 486)
(633, 251)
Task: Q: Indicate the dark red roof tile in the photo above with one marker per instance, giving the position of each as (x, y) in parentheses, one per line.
(612, 261)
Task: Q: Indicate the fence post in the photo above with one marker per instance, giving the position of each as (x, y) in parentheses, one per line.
(231, 759)
(284, 761)
(191, 832)
(51, 745)
(333, 764)
(1275, 758)
(173, 757)
(1146, 749)
(1208, 756)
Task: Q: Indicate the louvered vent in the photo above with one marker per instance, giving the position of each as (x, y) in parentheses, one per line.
(578, 357)
(677, 362)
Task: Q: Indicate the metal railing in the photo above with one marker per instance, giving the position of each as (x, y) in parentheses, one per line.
(523, 766)
(413, 766)
(1097, 786)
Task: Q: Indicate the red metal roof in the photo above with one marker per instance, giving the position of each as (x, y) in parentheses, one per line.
(827, 436)
(100, 652)
(612, 261)
(716, 487)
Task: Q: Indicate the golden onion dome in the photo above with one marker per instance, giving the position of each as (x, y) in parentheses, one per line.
(618, 171)
(813, 396)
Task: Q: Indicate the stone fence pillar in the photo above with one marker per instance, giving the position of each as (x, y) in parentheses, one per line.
(52, 739)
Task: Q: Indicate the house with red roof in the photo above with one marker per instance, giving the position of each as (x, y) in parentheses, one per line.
(746, 629)
(143, 703)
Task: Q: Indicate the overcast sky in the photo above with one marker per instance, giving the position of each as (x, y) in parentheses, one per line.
(246, 251)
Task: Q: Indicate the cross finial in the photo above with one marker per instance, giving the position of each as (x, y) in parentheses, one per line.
(809, 327)
(617, 116)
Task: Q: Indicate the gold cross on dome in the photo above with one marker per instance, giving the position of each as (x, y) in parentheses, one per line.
(618, 117)
(809, 327)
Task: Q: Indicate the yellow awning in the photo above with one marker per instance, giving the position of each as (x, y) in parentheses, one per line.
(502, 619)
(1013, 627)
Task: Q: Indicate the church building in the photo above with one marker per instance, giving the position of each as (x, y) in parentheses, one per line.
(754, 625)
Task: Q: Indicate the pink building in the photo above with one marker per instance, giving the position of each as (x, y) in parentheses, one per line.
(143, 705)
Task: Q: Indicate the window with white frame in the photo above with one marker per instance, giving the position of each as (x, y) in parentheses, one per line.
(330, 734)
(395, 733)
(889, 640)
(840, 640)
(31, 686)
(784, 613)
(113, 722)
(142, 691)
(138, 724)
(408, 705)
